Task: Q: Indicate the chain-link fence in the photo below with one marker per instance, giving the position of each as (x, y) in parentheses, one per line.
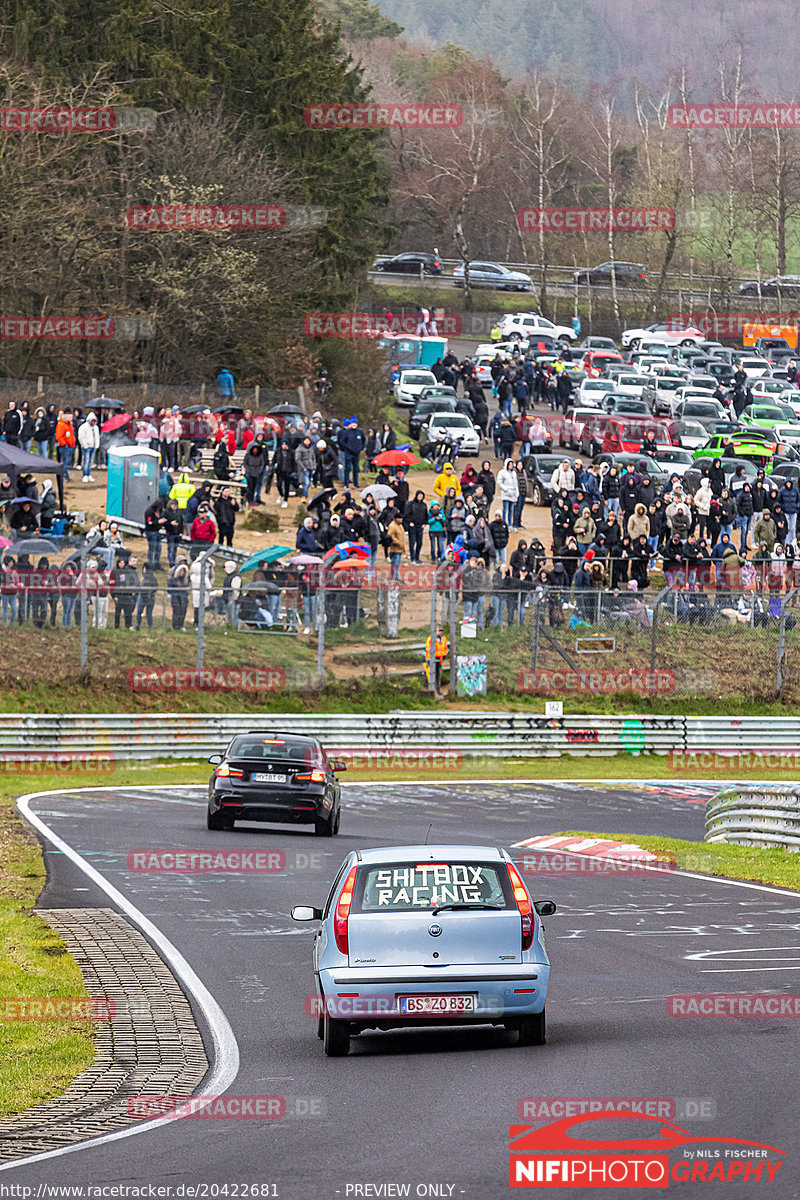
(416, 627)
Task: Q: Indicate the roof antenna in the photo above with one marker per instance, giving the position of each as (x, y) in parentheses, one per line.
(428, 834)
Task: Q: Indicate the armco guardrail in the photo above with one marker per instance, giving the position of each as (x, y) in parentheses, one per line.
(180, 735)
(766, 815)
(756, 734)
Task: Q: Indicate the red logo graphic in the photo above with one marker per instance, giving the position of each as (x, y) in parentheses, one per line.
(383, 116)
(353, 325)
(168, 217)
(551, 1156)
(57, 120)
(643, 682)
(37, 762)
(766, 1004)
(730, 325)
(733, 116)
(56, 1008)
(229, 679)
(620, 220)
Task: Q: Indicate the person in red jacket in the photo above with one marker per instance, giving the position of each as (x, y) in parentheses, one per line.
(9, 588)
(203, 531)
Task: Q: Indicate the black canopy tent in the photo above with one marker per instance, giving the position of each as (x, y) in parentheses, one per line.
(14, 462)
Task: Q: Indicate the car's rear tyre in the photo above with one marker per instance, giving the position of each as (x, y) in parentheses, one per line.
(335, 1037)
(537, 495)
(532, 1030)
(214, 820)
(338, 820)
(323, 826)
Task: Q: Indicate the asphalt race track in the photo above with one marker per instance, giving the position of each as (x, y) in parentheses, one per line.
(432, 1107)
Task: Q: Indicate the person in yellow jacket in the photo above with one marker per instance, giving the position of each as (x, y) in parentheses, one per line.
(495, 335)
(446, 479)
(441, 649)
(182, 490)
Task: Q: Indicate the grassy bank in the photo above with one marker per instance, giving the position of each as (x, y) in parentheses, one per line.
(751, 863)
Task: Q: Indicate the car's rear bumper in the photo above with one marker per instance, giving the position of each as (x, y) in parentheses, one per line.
(296, 808)
(369, 995)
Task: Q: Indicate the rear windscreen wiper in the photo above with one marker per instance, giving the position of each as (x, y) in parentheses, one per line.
(441, 907)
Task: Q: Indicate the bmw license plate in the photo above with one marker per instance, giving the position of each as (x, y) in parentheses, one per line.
(261, 777)
(440, 1006)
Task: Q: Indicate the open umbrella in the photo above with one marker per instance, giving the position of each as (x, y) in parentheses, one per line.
(194, 408)
(4, 543)
(105, 402)
(320, 498)
(285, 410)
(230, 410)
(35, 545)
(36, 504)
(351, 564)
(305, 560)
(117, 422)
(265, 423)
(268, 555)
(379, 492)
(396, 458)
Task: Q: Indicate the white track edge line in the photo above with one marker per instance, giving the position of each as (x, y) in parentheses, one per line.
(225, 1066)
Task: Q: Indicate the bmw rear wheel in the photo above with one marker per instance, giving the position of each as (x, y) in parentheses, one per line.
(323, 826)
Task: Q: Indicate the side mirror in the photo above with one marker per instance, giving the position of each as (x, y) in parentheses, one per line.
(339, 764)
(545, 908)
(304, 912)
(214, 759)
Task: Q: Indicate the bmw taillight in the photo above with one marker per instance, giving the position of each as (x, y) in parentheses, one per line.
(343, 910)
(311, 777)
(224, 771)
(523, 902)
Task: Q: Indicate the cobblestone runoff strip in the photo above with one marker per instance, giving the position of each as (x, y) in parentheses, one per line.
(150, 1046)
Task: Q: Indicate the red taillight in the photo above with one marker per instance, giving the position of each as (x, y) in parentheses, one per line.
(224, 771)
(523, 902)
(311, 777)
(343, 911)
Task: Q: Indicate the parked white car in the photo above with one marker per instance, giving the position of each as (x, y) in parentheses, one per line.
(410, 383)
(453, 425)
(632, 337)
(591, 391)
(527, 325)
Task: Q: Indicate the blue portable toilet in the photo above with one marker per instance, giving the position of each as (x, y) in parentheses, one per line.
(132, 485)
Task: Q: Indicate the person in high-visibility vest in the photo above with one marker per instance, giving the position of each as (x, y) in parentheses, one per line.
(440, 654)
(494, 334)
(182, 490)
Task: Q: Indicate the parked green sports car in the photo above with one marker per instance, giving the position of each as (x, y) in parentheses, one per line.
(753, 444)
(765, 415)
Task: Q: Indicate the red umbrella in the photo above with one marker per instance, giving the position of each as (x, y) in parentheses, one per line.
(396, 458)
(118, 422)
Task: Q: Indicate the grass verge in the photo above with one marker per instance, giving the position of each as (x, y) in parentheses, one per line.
(750, 863)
